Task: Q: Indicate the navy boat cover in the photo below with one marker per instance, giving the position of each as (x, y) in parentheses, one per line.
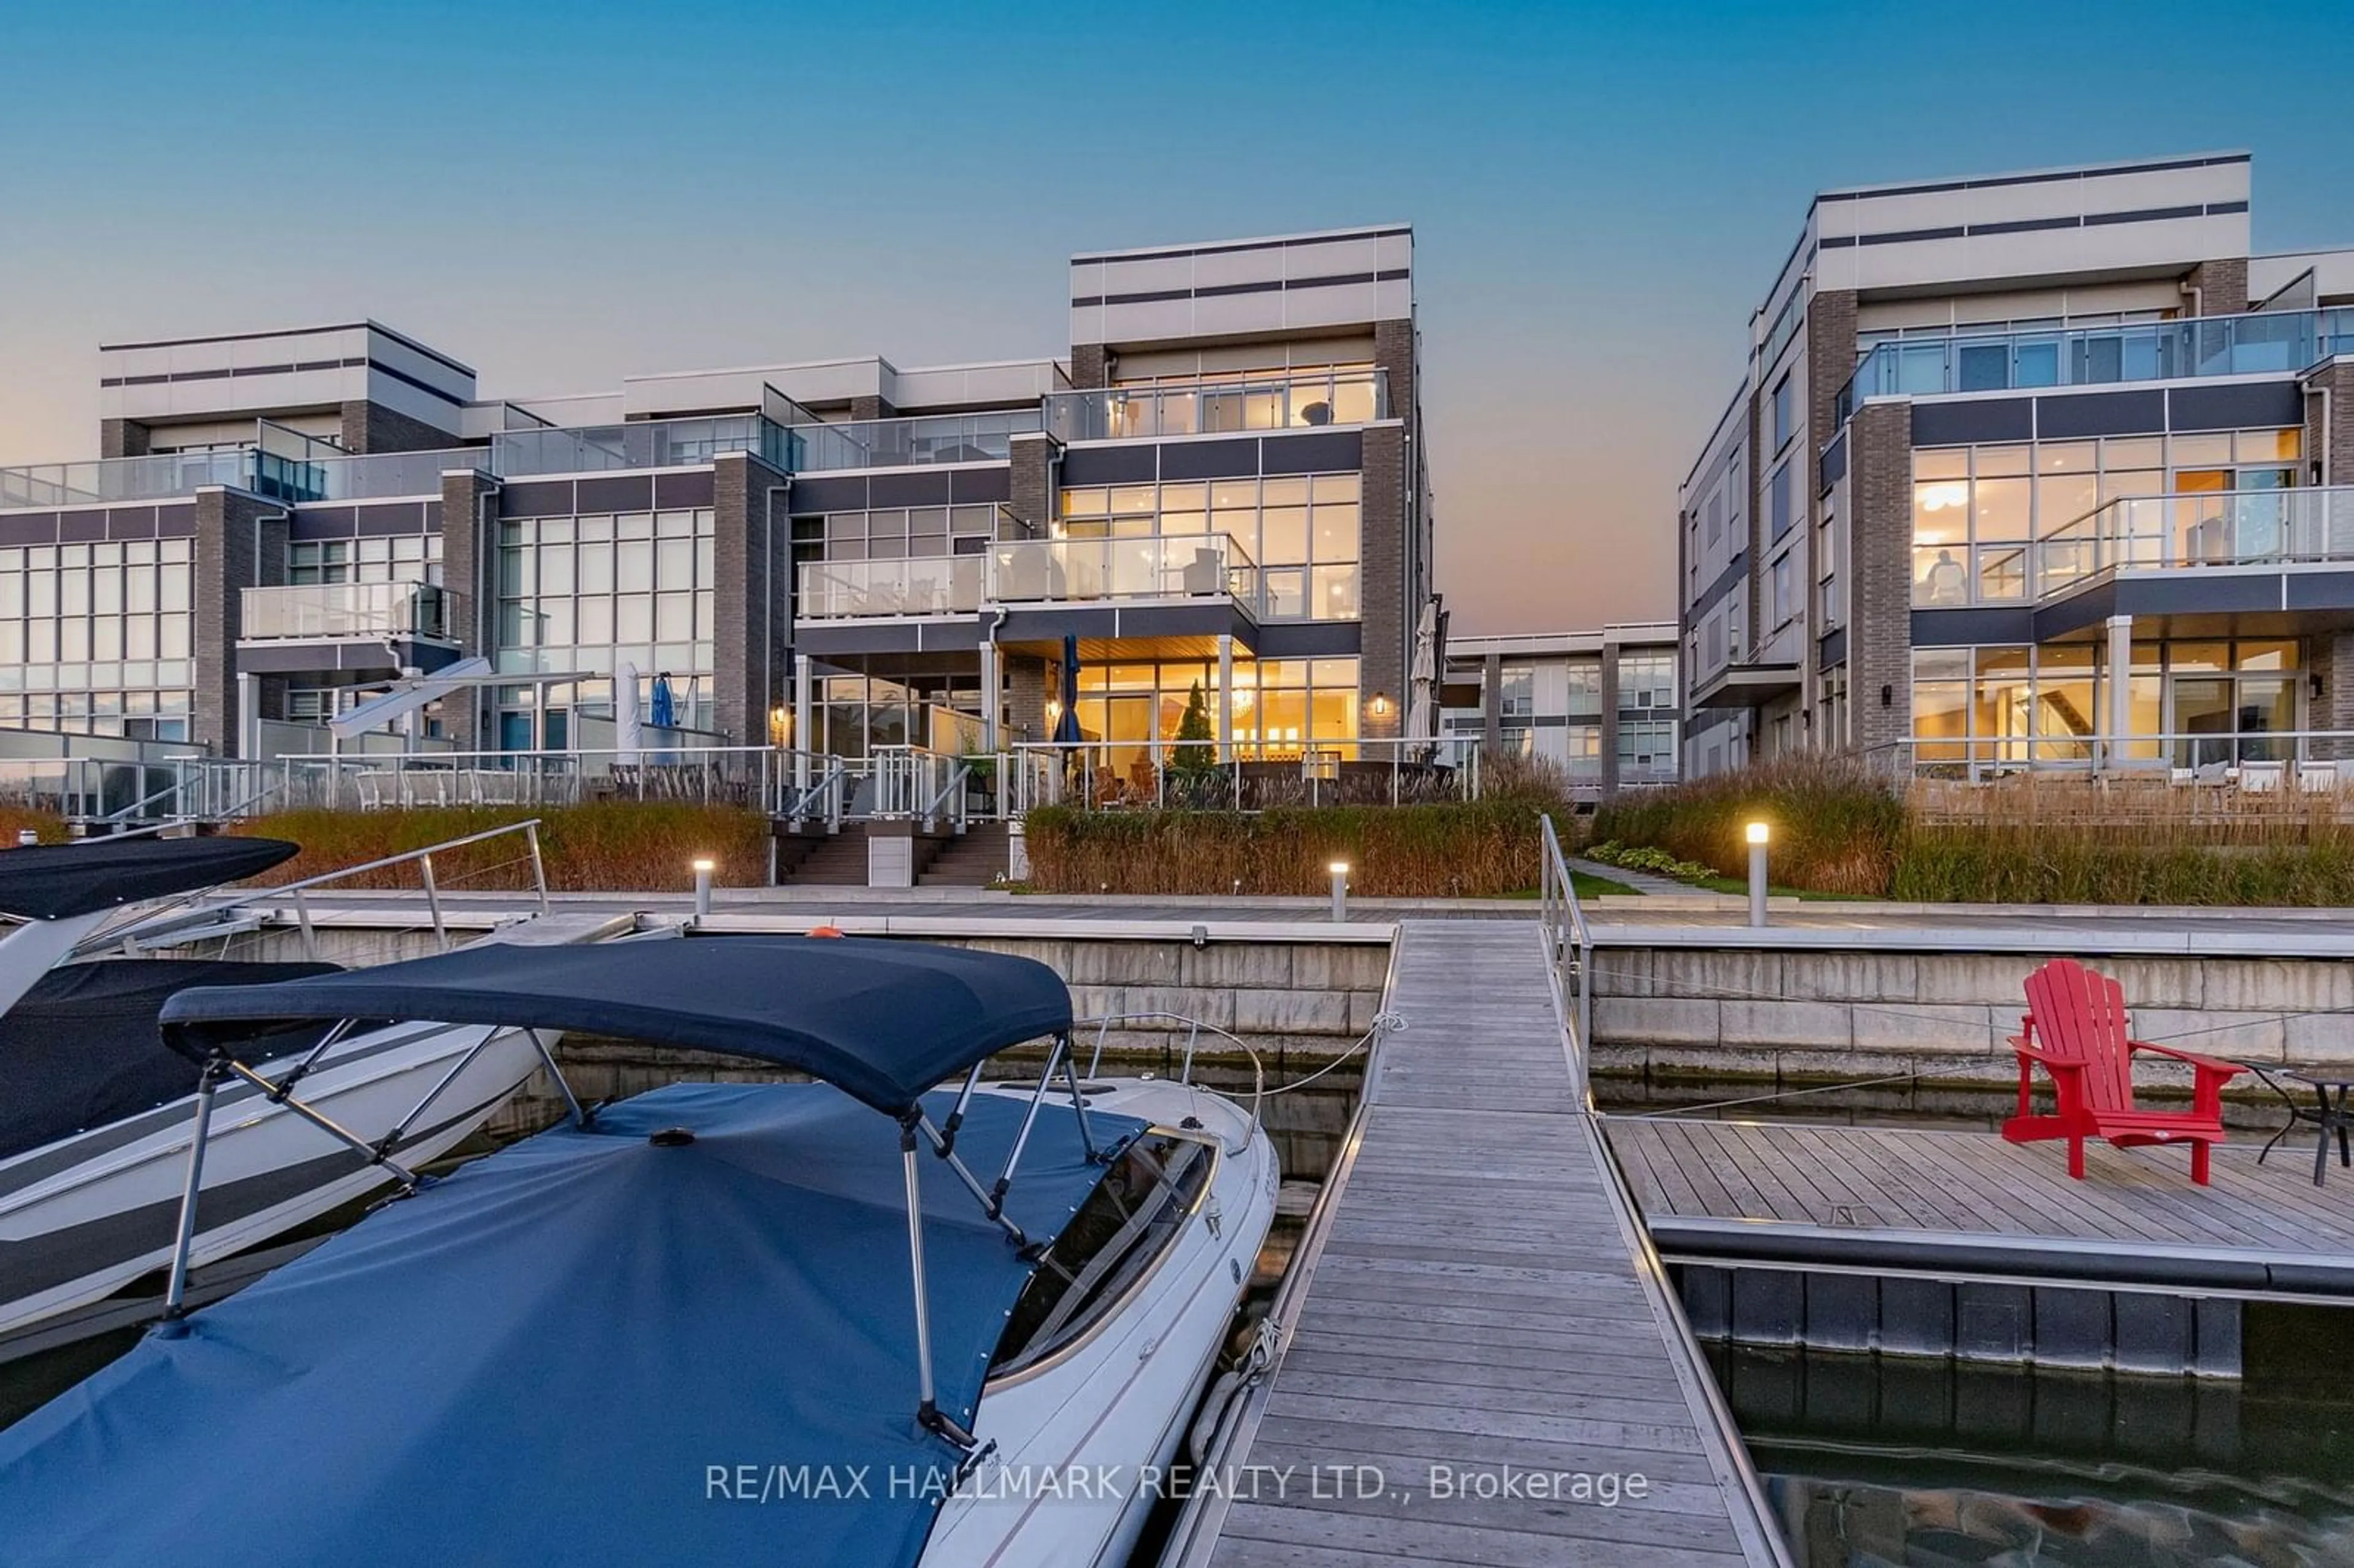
(883, 1020)
(81, 1050)
(52, 882)
(589, 1348)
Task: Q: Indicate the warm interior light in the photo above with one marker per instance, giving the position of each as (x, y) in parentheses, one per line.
(1756, 832)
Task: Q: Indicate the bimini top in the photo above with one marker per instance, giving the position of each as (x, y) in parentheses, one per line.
(680, 1334)
(883, 1020)
(56, 881)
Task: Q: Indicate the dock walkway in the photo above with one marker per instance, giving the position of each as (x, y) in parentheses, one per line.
(1931, 1199)
(1477, 1304)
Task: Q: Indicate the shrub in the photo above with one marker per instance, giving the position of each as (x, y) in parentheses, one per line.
(616, 846)
(15, 819)
(1837, 828)
(1461, 850)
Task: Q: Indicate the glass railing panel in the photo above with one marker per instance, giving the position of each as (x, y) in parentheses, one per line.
(326, 612)
(645, 443)
(1086, 570)
(156, 478)
(1302, 400)
(2255, 343)
(925, 585)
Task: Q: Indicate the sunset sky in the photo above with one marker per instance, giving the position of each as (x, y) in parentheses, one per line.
(563, 195)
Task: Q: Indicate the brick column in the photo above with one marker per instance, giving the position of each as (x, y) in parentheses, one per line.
(1032, 480)
(1384, 589)
(1026, 692)
(1393, 355)
(2330, 449)
(121, 439)
(1609, 758)
(1492, 703)
(872, 409)
(240, 542)
(2222, 285)
(753, 553)
(1880, 618)
(470, 561)
(373, 428)
(1090, 366)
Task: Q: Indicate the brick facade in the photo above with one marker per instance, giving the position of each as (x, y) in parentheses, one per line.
(873, 408)
(373, 428)
(1027, 687)
(2329, 451)
(1031, 482)
(1090, 366)
(1609, 738)
(2222, 285)
(1382, 594)
(752, 557)
(1880, 529)
(121, 439)
(240, 542)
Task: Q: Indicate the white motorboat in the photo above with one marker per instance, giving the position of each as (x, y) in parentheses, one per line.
(715, 1322)
(95, 1114)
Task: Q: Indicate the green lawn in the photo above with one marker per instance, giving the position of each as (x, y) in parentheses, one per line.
(1590, 887)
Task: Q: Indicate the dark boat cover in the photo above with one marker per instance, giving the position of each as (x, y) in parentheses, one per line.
(52, 882)
(586, 1348)
(884, 1020)
(81, 1049)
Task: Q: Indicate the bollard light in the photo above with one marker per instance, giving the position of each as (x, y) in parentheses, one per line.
(703, 870)
(1339, 869)
(1757, 833)
(27, 838)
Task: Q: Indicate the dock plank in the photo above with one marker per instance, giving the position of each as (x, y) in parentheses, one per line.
(1476, 1305)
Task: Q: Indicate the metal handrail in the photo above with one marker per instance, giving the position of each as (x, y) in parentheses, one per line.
(1566, 931)
(950, 794)
(529, 828)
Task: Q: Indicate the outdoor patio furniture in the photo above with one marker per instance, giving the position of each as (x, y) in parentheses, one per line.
(2330, 1113)
(2075, 1028)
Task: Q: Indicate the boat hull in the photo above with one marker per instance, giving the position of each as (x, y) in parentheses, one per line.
(1084, 1442)
(82, 1217)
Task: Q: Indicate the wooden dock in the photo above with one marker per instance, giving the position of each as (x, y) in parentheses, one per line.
(1480, 1302)
(1969, 1202)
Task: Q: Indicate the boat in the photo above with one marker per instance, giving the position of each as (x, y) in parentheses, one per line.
(891, 1316)
(95, 1113)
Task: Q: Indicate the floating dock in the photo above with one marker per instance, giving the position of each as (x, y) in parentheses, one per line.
(1922, 1240)
(1477, 1301)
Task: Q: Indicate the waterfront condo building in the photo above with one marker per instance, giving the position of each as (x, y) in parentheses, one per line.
(1221, 487)
(2040, 468)
(1599, 706)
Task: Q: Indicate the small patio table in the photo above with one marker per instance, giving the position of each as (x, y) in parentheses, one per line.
(2330, 1113)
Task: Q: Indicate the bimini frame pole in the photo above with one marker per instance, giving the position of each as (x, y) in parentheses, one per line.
(928, 1414)
(175, 1294)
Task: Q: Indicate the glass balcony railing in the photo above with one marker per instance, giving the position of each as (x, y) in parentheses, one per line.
(361, 477)
(643, 444)
(926, 585)
(913, 442)
(327, 611)
(2235, 528)
(2252, 344)
(1189, 565)
(1297, 401)
(122, 479)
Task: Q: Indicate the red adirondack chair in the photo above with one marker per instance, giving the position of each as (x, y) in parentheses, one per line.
(2076, 1027)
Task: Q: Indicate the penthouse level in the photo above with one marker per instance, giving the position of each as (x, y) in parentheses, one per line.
(2039, 468)
(1220, 483)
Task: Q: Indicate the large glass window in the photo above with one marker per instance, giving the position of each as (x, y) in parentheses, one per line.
(1302, 531)
(1282, 707)
(404, 558)
(593, 592)
(99, 639)
(1646, 680)
(1981, 513)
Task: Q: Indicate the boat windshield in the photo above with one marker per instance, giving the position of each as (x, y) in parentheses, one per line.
(1125, 1225)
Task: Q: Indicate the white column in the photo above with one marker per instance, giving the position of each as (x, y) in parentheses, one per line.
(2120, 674)
(1225, 695)
(802, 733)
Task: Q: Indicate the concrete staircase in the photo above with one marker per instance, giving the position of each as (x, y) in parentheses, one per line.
(975, 858)
(824, 860)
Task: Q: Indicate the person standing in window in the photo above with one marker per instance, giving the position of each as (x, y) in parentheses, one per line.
(1945, 580)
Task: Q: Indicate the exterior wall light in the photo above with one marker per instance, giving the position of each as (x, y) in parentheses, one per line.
(702, 869)
(1379, 706)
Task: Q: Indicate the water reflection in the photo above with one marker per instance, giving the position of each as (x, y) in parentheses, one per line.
(1924, 1463)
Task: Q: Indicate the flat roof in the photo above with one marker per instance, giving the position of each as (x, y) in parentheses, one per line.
(1208, 246)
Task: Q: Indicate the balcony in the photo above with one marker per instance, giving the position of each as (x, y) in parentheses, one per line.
(2258, 528)
(2258, 342)
(1300, 401)
(910, 443)
(640, 444)
(1157, 567)
(107, 480)
(336, 612)
(926, 585)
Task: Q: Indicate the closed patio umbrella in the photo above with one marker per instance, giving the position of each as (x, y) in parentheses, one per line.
(1067, 726)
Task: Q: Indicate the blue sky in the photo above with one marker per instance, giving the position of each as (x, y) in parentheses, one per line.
(563, 195)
